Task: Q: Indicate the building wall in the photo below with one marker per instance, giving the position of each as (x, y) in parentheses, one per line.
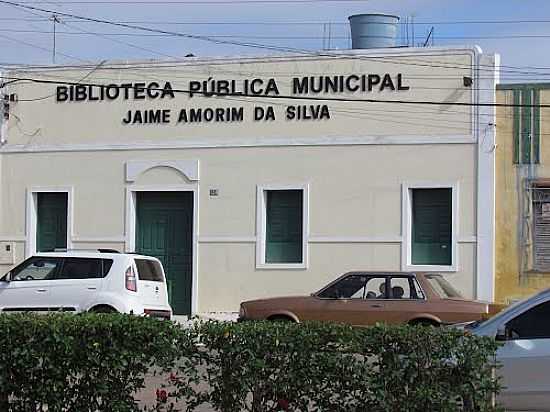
(92, 123)
(355, 208)
(515, 276)
(355, 165)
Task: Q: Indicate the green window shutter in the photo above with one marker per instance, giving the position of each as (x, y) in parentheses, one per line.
(526, 121)
(517, 139)
(536, 126)
(284, 224)
(51, 228)
(431, 226)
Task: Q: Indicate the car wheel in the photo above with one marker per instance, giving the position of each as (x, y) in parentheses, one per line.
(280, 318)
(424, 322)
(103, 309)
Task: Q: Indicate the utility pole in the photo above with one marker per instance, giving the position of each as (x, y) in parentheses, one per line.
(55, 20)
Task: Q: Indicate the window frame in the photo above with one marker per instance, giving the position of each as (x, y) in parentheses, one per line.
(341, 279)
(413, 285)
(369, 277)
(261, 217)
(406, 224)
(538, 189)
(31, 215)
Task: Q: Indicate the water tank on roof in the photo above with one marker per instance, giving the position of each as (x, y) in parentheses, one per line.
(369, 31)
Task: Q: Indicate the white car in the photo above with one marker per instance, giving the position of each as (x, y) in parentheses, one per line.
(102, 281)
(524, 330)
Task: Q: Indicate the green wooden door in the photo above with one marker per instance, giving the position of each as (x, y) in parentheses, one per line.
(51, 225)
(164, 229)
(431, 226)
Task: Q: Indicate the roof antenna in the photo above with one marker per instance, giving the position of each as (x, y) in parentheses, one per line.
(55, 20)
(430, 34)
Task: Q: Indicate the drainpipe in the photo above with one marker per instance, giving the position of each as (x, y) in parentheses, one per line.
(4, 106)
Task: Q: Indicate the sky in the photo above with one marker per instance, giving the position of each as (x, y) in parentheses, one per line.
(520, 31)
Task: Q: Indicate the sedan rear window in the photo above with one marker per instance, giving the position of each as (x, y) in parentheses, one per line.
(149, 270)
(442, 287)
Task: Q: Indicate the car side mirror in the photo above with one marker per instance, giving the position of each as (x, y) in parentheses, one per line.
(501, 335)
(6, 277)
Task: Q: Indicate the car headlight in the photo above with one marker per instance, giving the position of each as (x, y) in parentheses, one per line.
(241, 311)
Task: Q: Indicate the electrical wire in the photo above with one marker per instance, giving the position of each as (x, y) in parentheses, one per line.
(293, 97)
(35, 46)
(106, 36)
(210, 39)
(268, 37)
(197, 2)
(291, 23)
(78, 82)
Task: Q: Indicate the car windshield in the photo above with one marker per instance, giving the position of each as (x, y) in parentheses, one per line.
(442, 287)
(505, 312)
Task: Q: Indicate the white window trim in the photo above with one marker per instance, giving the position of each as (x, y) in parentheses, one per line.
(130, 231)
(261, 226)
(406, 255)
(32, 215)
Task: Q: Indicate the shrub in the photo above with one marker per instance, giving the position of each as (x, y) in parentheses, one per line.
(267, 366)
(88, 362)
(97, 362)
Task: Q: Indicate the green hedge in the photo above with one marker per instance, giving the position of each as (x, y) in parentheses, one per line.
(266, 366)
(97, 362)
(88, 362)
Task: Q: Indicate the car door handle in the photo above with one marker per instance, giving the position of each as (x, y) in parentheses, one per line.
(92, 288)
(41, 290)
(375, 306)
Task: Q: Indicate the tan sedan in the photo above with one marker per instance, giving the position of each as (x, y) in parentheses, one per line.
(365, 298)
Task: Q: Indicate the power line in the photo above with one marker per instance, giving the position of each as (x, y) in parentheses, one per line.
(288, 23)
(134, 46)
(222, 62)
(252, 36)
(291, 23)
(79, 82)
(225, 41)
(35, 46)
(290, 97)
(196, 2)
(243, 44)
(211, 65)
(134, 27)
(352, 112)
(339, 23)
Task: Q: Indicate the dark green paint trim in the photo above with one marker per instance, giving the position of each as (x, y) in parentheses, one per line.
(536, 127)
(516, 86)
(526, 120)
(516, 126)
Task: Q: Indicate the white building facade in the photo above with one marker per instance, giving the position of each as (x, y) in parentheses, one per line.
(254, 177)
